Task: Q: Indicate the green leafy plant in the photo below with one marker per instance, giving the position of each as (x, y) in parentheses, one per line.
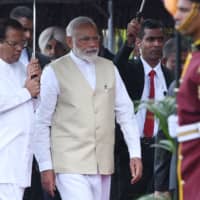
(162, 110)
(152, 197)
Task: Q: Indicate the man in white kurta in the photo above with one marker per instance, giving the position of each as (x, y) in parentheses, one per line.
(81, 94)
(16, 113)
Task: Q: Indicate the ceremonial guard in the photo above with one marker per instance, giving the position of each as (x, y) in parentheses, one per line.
(187, 20)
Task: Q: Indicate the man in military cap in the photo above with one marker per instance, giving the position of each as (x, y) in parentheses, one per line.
(187, 21)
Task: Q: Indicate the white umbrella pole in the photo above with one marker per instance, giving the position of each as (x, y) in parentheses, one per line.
(34, 28)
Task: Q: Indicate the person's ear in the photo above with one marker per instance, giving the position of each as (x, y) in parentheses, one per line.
(69, 42)
(164, 61)
(138, 42)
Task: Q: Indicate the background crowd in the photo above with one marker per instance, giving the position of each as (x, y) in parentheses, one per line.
(71, 128)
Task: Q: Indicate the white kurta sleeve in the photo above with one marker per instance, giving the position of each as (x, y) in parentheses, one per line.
(48, 95)
(12, 100)
(125, 116)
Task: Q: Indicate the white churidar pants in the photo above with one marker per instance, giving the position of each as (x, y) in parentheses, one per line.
(11, 192)
(83, 187)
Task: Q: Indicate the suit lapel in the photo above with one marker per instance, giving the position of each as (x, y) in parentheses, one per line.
(167, 75)
(140, 74)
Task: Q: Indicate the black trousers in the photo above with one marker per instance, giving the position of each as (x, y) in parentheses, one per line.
(121, 188)
(162, 166)
(35, 192)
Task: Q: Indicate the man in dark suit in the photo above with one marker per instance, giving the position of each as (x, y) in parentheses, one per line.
(135, 74)
(103, 51)
(24, 16)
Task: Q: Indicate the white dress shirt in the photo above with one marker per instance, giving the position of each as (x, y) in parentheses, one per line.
(24, 59)
(49, 92)
(16, 125)
(160, 92)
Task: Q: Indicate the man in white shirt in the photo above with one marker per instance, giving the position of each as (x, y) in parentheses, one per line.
(81, 94)
(24, 15)
(17, 90)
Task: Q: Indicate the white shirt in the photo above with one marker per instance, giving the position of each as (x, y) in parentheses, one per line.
(24, 59)
(49, 92)
(160, 92)
(16, 125)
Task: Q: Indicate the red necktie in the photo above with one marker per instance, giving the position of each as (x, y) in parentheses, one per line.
(149, 121)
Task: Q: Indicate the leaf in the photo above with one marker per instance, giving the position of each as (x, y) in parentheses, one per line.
(166, 144)
(162, 110)
(152, 197)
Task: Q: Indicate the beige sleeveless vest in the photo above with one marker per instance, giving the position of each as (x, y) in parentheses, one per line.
(82, 133)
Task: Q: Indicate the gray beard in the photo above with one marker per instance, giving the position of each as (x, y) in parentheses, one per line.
(90, 57)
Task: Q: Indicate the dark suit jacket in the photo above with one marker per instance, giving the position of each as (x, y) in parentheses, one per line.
(132, 73)
(104, 52)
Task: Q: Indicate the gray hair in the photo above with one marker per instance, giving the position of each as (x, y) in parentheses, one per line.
(170, 46)
(21, 11)
(49, 33)
(76, 22)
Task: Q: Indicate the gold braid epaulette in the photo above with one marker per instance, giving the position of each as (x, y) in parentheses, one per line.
(195, 47)
(185, 66)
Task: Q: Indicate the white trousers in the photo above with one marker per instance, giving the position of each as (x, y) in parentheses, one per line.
(11, 192)
(83, 187)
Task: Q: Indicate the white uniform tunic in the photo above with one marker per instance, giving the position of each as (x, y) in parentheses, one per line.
(16, 126)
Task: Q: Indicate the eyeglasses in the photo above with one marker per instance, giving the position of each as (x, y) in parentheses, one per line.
(13, 44)
(86, 39)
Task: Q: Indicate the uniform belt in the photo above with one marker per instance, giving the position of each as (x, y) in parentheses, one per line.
(188, 132)
(147, 140)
